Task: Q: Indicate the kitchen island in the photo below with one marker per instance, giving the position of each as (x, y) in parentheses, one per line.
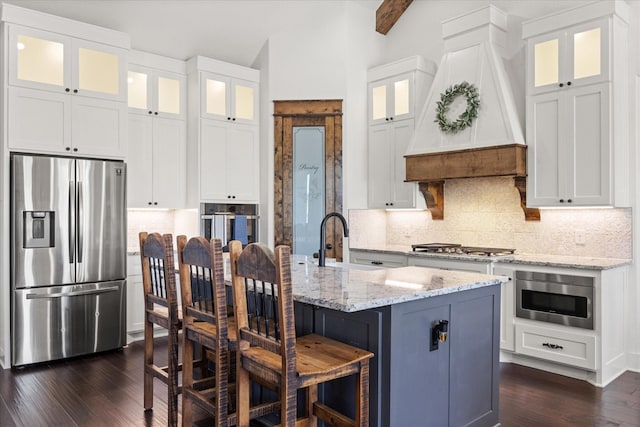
(414, 380)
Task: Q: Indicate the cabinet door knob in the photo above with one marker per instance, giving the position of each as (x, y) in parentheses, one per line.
(386, 118)
(568, 83)
(67, 89)
(228, 118)
(156, 113)
(68, 148)
(569, 201)
(376, 262)
(75, 91)
(150, 203)
(150, 112)
(75, 150)
(233, 197)
(233, 120)
(390, 204)
(561, 200)
(390, 118)
(561, 84)
(155, 203)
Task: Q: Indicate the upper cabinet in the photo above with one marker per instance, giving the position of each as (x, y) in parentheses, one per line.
(54, 62)
(223, 146)
(69, 78)
(228, 98)
(157, 93)
(577, 107)
(157, 132)
(395, 91)
(392, 98)
(574, 56)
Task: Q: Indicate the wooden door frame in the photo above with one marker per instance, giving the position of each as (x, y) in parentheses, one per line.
(286, 115)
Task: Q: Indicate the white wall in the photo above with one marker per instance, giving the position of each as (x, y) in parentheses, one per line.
(326, 57)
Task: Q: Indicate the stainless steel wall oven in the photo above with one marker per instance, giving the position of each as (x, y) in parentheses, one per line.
(229, 222)
(555, 298)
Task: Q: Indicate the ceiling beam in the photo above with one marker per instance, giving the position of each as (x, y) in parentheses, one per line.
(388, 13)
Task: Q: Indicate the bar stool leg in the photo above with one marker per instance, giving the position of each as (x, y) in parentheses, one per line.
(172, 387)
(148, 361)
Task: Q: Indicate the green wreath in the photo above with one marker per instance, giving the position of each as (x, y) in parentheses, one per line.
(464, 120)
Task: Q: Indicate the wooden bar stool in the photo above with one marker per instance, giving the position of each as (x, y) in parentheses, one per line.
(161, 308)
(279, 358)
(207, 324)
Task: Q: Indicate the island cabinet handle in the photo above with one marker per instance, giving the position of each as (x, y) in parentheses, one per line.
(552, 346)
(376, 262)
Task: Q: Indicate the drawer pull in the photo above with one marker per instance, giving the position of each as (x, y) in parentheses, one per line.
(552, 346)
(376, 262)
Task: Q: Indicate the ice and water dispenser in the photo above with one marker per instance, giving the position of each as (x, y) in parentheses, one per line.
(38, 229)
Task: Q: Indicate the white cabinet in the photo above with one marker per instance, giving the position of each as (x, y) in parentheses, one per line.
(577, 114)
(223, 153)
(228, 155)
(569, 160)
(392, 99)
(507, 306)
(559, 345)
(42, 121)
(63, 64)
(387, 146)
(156, 92)
(450, 264)
(574, 56)
(157, 132)
(229, 99)
(156, 162)
(379, 259)
(66, 86)
(597, 355)
(395, 90)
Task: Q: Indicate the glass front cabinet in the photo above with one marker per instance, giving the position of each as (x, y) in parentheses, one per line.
(73, 87)
(229, 99)
(568, 58)
(156, 92)
(54, 62)
(391, 99)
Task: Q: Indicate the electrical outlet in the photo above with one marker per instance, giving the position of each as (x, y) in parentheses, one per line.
(579, 237)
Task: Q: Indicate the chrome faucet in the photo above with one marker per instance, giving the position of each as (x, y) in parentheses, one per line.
(321, 253)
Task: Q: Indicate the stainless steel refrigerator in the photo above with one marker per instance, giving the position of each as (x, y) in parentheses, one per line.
(68, 257)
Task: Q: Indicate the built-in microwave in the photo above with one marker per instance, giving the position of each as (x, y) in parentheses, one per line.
(555, 298)
(229, 222)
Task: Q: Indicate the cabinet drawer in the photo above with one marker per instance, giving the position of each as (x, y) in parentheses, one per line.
(556, 345)
(378, 259)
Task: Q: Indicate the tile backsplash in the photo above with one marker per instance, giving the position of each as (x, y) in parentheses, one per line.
(179, 221)
(486, 212)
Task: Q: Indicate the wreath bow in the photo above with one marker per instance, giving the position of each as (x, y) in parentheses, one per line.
(464, 120)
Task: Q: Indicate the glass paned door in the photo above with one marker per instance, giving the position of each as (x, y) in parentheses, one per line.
(308, 188)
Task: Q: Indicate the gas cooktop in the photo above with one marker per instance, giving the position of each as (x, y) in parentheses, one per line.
(454, 248)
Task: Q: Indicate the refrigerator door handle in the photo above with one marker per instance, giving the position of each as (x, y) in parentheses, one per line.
(72, 225)
(73, 294)
(80, 221)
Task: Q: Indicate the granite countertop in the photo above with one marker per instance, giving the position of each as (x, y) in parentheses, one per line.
(563, 261)
(349, 287)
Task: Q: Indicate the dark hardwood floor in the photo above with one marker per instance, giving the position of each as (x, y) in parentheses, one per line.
(106, 390)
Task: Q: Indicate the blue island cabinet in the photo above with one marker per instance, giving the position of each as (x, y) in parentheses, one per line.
(410, 385)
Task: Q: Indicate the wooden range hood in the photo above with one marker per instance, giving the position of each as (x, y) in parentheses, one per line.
(432, 169)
